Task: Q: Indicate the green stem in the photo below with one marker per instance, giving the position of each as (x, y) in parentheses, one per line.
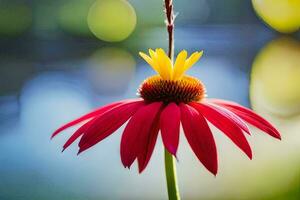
(170, 166)
(171, 176)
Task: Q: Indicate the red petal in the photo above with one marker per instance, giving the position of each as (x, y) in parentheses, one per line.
(232, 116)
(199, 137)
(133, 136)
(170, 125)
(94, 113)
(226, 125)
(77, 134)
(249, 116)
(107, 123)
(149, 144)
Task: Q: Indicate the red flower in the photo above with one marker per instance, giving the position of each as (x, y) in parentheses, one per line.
(165, 104)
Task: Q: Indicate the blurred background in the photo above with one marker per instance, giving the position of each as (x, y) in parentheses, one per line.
(61, 58)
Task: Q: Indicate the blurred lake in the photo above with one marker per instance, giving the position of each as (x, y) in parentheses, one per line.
(48, 81)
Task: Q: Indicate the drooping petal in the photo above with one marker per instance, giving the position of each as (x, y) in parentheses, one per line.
(170, 125)
(258, 122)
(179, 64)
(98, 111)
(77, 134)
(226, 125)
(107, 123)
(249, 116)
(136, 130)
(233, 117)
(199, 137)
(149, 144)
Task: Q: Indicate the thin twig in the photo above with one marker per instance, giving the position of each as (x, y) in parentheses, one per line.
(170, 26)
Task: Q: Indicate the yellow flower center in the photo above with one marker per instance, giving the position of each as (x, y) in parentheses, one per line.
(171, 85)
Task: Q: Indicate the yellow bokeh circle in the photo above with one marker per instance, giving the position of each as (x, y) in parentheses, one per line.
(275, 77)
(281, 15)
(112, 20)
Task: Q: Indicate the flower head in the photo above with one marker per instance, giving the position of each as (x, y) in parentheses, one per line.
(171, 85)
(168, 100)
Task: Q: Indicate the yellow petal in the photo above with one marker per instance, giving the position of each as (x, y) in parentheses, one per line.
(165, 65)
(179, 64)
(154, 57)
(150, 61)
(152, 53)
(192, 60)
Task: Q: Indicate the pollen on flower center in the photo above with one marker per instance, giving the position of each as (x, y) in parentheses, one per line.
(186, 89)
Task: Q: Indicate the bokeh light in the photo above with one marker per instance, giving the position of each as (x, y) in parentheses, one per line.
(48, 77)
(112, 20)
(110, 70)
(276, 77)
(274, 94)
(283, 16)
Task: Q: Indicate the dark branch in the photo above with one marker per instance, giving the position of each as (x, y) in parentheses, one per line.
(170, 26)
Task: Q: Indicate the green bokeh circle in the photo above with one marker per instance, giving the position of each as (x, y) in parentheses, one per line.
(112, 20)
